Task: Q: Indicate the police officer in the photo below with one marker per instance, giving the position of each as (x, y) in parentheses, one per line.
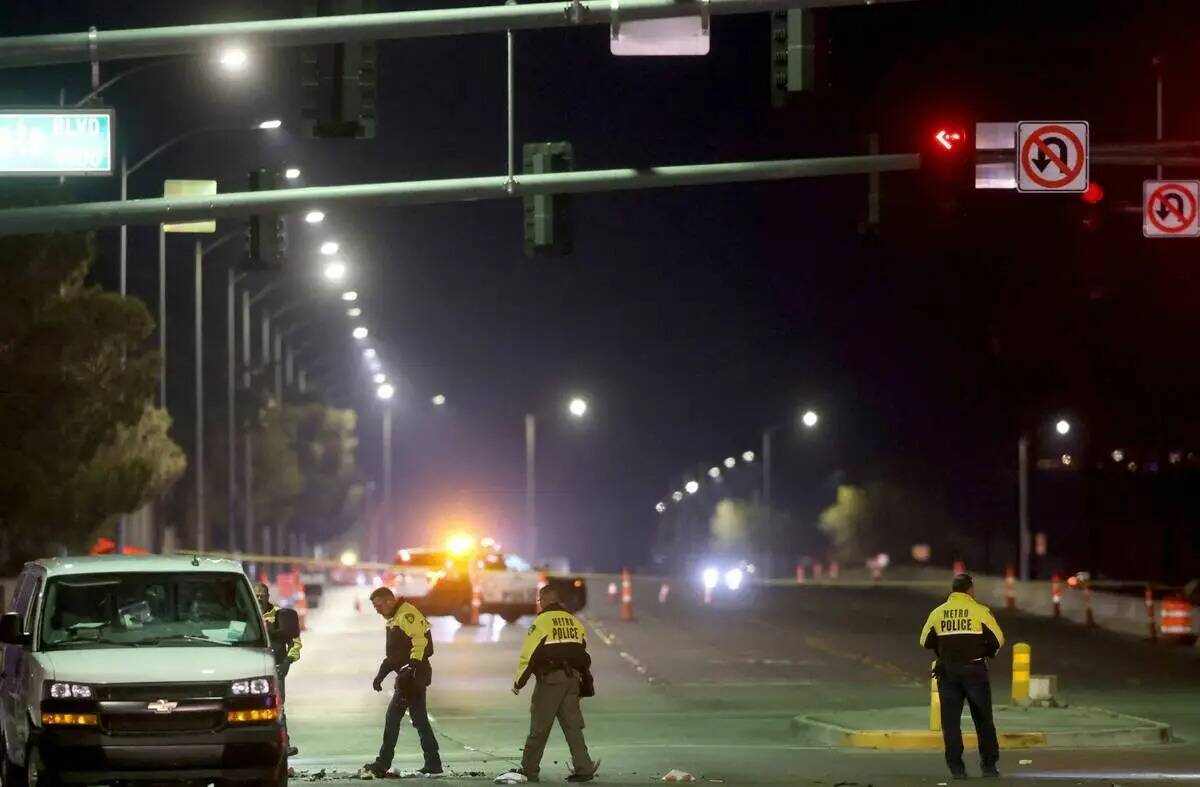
(555, 652)
(408, 649)
(963, 633)
(286, 652)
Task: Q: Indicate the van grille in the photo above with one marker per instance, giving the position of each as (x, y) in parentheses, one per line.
(149, 692)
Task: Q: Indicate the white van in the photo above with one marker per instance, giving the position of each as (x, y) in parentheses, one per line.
(122, 668)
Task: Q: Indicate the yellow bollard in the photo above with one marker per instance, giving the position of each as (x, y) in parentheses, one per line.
(935, 705)
(1020, 675)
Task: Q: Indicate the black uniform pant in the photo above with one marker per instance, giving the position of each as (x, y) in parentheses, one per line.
(281, 671)
(408, 697)
(967, 682)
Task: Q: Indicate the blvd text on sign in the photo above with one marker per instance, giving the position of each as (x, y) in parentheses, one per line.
(1052, 156)
(56, 142)
(1169, 208)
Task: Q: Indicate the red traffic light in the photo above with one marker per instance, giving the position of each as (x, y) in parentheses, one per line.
(949, 139)
(1093, 194)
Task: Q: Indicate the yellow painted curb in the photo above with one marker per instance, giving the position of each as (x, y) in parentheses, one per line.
(924, 740)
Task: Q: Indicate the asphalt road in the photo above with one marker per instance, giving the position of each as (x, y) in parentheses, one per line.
(712, 690)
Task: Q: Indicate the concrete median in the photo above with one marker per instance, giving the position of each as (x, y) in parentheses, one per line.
(906, 729)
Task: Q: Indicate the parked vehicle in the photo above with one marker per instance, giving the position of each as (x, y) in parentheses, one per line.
(121, 668)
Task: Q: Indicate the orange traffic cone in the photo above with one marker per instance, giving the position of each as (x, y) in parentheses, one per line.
(626, 595)
(476, 603)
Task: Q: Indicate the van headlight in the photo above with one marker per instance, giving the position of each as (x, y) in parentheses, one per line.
(70, 691)
(251, 686)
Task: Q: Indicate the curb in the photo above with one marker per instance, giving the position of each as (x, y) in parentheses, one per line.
(1133, 731)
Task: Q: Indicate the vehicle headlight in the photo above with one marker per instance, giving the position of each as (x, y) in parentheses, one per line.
(733, 578)
(70, 691)
(711, 577)
(252, 686)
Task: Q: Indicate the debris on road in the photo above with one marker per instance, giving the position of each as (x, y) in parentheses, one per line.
(678, 776)
(1025, 762)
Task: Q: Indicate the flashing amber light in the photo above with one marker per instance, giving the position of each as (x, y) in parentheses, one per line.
(251, 716)
(69, 719)
(1073, 581)
(460, 544)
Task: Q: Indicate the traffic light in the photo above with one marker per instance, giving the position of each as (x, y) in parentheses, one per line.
(547, 216)
(800, 53)
(339, 80)
(947, 162)
(266, 235)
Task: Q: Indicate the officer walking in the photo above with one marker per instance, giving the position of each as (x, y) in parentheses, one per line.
(408, 649)
(286, 652)
(555, 652)
(963, 633)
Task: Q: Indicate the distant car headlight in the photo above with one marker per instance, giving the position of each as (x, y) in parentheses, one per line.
(711, 577)
(733, 578)
(70, 691)
(254, 686)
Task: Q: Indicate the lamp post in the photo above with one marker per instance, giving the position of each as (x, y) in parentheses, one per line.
(577, 408)
(385, 393)
(1024, 537)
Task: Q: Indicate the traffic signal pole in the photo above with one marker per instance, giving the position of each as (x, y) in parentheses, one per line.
(107, 45)
(94, 215)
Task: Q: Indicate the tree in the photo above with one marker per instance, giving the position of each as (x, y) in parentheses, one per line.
(333, 495)
(886, 516)
(79, 442)
(742, 525)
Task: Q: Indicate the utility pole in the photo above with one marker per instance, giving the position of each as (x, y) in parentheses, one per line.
(201, 524)
(531, 484)
(1023, 505)
(248, 433)
(386, 521)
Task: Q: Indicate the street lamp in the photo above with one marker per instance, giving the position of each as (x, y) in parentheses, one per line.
(809, 419)
(360, 333)
(314, 217)
(660, 507)
(234, 59)
(747, 456)
(330, 247)
(385, 391)
(349, 296)
(292, 173)
(714, 472)
(369, 353)
(270, 125)
(380, 378)
(730, 463)
(692, 487)
(677, 495)
(578, 407)
(354, 311)
(439, 400)
(335, 271)
(1024, 536)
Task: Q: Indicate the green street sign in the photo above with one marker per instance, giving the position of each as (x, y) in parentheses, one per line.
(56, 142)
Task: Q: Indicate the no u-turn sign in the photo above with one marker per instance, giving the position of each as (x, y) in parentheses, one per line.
(1052, 156)
(1169, 208)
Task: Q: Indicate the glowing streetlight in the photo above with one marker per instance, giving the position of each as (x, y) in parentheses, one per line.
(385, 391)
(354, 311)
(268, 125)
(439, 400)
(748, 456)
(380, 378)
(809, 419)
(578, 407)
(335, 271)
(361, 332)
(677, 495)
(714, 473)
(234, 59)
(330, 247)
(292, 173)
(730, 463)
(314, 217)
(349, 296)
(660, 507)
(1063, 426)
(369, 353)
(692, 487)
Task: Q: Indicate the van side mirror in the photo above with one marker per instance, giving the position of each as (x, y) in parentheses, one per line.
(12, 630)
(287, 624)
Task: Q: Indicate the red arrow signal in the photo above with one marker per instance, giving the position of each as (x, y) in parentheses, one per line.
(948, 139)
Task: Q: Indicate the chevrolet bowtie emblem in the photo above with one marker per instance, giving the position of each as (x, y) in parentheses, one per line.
(162, 706)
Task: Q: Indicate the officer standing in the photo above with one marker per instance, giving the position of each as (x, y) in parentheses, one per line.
(555, 651)
(286, 652)
(964, 633)
(408, 649)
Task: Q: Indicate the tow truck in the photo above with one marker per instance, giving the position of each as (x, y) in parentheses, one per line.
(442, 581)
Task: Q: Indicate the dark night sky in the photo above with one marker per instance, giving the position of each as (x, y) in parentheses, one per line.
(694, 317)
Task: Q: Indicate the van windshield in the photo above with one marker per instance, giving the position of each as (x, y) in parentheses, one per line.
(150, 610)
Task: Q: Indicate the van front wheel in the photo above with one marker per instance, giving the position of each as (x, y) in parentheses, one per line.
(11, 774)
(34, 771)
